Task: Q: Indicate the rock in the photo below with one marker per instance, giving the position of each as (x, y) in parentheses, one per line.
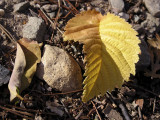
(59, 70)
(117, 5)
(34, 29)
(50, 8)
(151, 23)
(138, 28)
(124, 15)
(111, 113)
(96, 2)
(2, 3)
(144, 57)
(51, 15)
(18, 1)
(136, 18)
(1, 12)
(21, 6)
(4, 75)
(153, 7)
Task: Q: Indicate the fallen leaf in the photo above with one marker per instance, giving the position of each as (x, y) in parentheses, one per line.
(111, 48)
(27, 56)
(140, 102)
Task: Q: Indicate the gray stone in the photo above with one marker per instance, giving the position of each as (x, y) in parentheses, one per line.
(144, 57)
(18, 1)
(153, 7)
(21, 6)
(117, 5)
(136, 18)
(96, 2)
(138, 28)
(51, 15)
(1, 12)
(124, 15)
(2, 3)
(59, 69)
(50, 8)
(151, 23)
(34, 29)
(4, 75)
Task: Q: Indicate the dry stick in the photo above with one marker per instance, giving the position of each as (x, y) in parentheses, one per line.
(8, 34)
(124, 111)
(79, 114)
(119, 104)
(139, 113)
(57, 93)
(52, 24)
(65, 108)
(19, 113)
(96, 110)
(30, 110)
(72, 6)
(154, 105)
(135, 6)
(139, 87)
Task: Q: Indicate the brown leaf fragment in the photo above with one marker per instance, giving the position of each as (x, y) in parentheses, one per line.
(154, 50)
(140, 102)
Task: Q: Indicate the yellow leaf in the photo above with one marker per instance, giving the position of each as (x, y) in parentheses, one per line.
(27, 56)
(20, 64)
(111, 48)
(32, 53)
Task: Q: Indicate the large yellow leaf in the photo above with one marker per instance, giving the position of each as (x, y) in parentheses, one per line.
(111, 48)
(27, 56)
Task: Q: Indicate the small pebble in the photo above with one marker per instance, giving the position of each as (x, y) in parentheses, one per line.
(136, 18)
(51, 15)
(117, 5)
(1, 12)
(50, 8)
(124, 15)
(2, 3)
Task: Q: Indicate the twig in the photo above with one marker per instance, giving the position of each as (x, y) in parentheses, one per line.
(154, 105)
(79, 114)
(135, 6)
(72, 6)
(65, 109)
(57, 93)
(139, 113)
(96, 110)
(109, 96)
(139, 87)
(52, 24)
(124, 111)
(19, 113)
(31, 110)
(8, 34)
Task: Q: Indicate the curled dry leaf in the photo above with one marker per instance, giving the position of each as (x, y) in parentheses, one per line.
(111, 48)
(27, 56)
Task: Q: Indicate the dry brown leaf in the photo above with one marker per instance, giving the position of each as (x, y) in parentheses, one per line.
(154, 50)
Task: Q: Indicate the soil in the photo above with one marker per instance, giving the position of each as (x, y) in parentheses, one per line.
(138, 99)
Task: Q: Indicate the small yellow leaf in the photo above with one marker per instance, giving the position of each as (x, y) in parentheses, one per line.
(111, 48)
